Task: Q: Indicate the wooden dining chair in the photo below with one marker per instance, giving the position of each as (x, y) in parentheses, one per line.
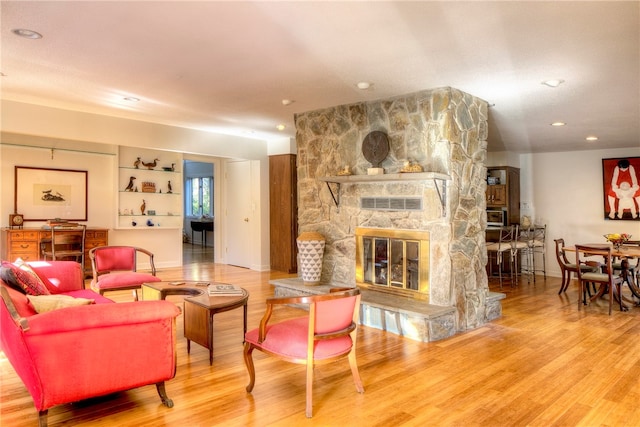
(567, 267)
(67, 242)
(607, 280)
(327, 333)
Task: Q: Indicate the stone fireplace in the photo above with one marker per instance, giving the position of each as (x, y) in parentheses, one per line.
(443, 130)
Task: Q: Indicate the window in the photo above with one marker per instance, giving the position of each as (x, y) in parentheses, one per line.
(199, 196)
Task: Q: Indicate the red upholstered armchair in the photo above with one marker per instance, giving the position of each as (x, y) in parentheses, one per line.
(115, 269)
(78, 352)
(326, 334)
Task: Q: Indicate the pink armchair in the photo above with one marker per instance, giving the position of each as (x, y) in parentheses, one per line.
(115, 269)
(75, 353)
(326, 334)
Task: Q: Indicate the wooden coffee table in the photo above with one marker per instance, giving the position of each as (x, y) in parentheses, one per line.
(199, 308)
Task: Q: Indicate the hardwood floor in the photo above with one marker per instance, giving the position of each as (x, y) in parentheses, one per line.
(544, 363)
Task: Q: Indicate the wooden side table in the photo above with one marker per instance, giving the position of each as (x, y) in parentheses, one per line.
(199, 309)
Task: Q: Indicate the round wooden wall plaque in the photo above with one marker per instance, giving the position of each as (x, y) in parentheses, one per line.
(375, 147)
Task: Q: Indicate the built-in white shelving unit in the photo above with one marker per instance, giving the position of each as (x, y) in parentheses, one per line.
(159, 187)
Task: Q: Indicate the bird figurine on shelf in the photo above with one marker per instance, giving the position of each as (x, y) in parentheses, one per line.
(170, 189)
(150, 165)
(137, 163)
(130, 186)
(143, 207)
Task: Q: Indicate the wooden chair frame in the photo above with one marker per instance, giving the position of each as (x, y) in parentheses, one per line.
(312, 338)
(567, 267)
(607, 280)
(64, 242)
(97, 273)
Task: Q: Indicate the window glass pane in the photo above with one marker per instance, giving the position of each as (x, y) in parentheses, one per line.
(195, 196)
(206, 196)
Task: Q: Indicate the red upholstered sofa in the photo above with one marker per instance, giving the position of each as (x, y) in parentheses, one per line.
(74, 353)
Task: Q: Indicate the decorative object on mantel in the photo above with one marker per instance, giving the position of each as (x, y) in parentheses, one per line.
(345, 171)
(130, 186)
(411, 167)
(136, 164)
(148, 187)
(310, 254)
(375, 148)
(151, 165)
(618, 239)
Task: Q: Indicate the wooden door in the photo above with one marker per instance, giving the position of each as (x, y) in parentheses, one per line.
(238, 226)
(283, 212)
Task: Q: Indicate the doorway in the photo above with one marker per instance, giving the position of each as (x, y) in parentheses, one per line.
(199, 207)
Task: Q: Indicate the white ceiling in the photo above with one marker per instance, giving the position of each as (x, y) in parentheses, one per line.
(226, 66)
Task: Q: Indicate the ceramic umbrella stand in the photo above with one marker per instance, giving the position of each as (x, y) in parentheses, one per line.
(310, 253)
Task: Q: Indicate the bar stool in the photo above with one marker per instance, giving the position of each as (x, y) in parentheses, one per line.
(508, 244)
(534, 238)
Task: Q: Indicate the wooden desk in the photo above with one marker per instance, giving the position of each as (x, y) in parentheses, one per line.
(25, 243)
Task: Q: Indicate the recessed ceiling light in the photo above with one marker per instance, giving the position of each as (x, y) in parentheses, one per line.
(132, 99)
(558, 124)
(363, 85)
(553, 82)
(27, 34)
(287, 102)
(281, 127)
(591, 138)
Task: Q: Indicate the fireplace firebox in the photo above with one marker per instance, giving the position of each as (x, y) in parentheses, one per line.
(394, 261)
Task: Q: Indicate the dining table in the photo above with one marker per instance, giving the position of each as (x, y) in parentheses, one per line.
(625, 252)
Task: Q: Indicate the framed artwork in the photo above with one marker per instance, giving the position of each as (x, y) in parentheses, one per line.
(621, 178)
(41, 194)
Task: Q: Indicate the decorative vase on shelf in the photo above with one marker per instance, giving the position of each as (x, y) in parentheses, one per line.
(310, 254)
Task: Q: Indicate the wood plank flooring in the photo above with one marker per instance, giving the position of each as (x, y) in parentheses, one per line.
(544, 363)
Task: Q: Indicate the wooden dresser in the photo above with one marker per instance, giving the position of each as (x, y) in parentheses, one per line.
(25, 243)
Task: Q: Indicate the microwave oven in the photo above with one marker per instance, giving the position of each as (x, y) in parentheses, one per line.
(496, 218)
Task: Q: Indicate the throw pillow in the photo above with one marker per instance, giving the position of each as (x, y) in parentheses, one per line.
(8, 276)
(28, 279)
(45, 303)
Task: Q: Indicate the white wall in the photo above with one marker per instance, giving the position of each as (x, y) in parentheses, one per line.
(283, 146)
(565, 191)
(100, 175)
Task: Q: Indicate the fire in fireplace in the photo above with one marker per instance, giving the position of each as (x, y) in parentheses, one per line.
(395, 261)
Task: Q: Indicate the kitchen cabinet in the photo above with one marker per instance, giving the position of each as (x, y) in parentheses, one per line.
(503, 192)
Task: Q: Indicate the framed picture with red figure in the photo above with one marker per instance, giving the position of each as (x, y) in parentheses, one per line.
(621, 183)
